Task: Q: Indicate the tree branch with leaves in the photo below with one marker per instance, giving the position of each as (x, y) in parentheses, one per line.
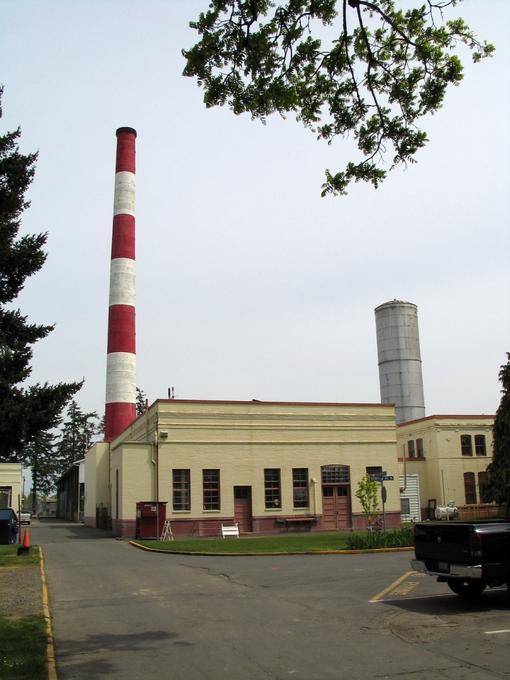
(343, 67)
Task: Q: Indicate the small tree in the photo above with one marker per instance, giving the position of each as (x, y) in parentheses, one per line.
(366, 493)
(498, 487)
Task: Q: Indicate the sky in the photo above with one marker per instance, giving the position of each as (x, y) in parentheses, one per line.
(249, 284)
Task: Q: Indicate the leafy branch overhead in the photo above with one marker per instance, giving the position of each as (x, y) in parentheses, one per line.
(343, 67)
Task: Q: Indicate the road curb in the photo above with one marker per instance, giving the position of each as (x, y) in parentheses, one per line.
(365, 551)
(50, 648)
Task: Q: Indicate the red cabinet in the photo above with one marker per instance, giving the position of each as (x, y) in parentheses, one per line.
(150, 517)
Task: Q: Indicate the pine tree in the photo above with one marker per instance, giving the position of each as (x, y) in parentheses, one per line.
(498, 487)
(25, 411)
(76, 436)
(141, 401)
(41, 456)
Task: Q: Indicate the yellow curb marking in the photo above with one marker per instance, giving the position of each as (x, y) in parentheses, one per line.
(391, 587)
(50, 649)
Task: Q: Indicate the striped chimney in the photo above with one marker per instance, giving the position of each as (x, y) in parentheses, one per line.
(121, 358)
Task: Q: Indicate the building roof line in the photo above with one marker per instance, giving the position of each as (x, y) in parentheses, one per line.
(449, 417)
(259, 402)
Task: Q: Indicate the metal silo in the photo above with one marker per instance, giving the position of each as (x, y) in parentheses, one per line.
(398, 349)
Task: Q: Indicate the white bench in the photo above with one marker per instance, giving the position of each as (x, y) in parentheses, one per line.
(232, 530)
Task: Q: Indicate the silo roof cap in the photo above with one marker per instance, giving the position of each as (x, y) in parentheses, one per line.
(396, 303)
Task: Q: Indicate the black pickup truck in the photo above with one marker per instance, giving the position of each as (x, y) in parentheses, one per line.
(467, 556)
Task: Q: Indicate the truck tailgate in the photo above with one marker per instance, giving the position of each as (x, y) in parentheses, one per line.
(448, 542)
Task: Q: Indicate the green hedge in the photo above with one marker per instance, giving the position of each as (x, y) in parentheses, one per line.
(396, 538)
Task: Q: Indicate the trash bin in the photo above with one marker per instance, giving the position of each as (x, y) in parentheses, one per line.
(8, 526)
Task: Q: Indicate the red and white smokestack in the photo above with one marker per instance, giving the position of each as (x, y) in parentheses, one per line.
(121, 358)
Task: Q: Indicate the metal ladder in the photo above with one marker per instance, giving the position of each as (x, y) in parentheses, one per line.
(166, 534)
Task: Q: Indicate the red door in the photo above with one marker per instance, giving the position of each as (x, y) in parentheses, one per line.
(242, 508)
(336, 507)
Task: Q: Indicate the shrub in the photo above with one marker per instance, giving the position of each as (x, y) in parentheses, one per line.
(397, 538)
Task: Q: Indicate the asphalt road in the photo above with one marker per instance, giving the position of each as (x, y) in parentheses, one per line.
(124, 613)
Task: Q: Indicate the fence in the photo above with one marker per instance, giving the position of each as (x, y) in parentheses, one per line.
(480, 511)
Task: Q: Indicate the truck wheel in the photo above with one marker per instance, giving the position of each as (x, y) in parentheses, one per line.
(467, 588)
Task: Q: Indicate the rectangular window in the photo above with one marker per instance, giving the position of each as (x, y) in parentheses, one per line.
(466, 446)
(5, 496)
(211, 487)
(482, 485)
(419, 448)
(335, 474)
(470, 488)
(410, 449)
(272, 491)
(181, 489)
(480, 448)
(405, 506)
(374, 471)
(300, 487)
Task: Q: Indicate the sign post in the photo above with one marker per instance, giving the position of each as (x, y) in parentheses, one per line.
(383, 477)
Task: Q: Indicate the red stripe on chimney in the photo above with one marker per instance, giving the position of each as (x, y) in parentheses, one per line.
(121, 329)
(126, 150)
(123, 237)
(118, 416)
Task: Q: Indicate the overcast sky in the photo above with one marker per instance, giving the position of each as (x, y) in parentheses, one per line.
(249, 284)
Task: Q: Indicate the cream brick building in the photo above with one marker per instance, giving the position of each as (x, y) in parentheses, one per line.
(11, 485)
(450, 454)
(269, 466)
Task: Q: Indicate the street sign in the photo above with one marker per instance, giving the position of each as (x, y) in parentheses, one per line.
(382, 478)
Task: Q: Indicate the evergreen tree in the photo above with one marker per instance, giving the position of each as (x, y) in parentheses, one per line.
(25, 411)
(76, 436)
(41, 456)
(498, 487)
(383, 69)
(141, 401)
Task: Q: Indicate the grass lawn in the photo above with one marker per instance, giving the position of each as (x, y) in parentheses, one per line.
(287, 543)
(22, 648)
(8, 557)
(23, 639)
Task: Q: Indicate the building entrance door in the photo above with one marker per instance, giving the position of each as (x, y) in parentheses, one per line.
(336, 507)
(242, 508)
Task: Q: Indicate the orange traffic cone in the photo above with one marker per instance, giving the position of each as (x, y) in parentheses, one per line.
(25, 548)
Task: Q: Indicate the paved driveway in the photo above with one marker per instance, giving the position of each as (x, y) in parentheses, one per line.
(129, 614)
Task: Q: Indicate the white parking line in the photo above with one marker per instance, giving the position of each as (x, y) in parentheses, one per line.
(496, 632)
